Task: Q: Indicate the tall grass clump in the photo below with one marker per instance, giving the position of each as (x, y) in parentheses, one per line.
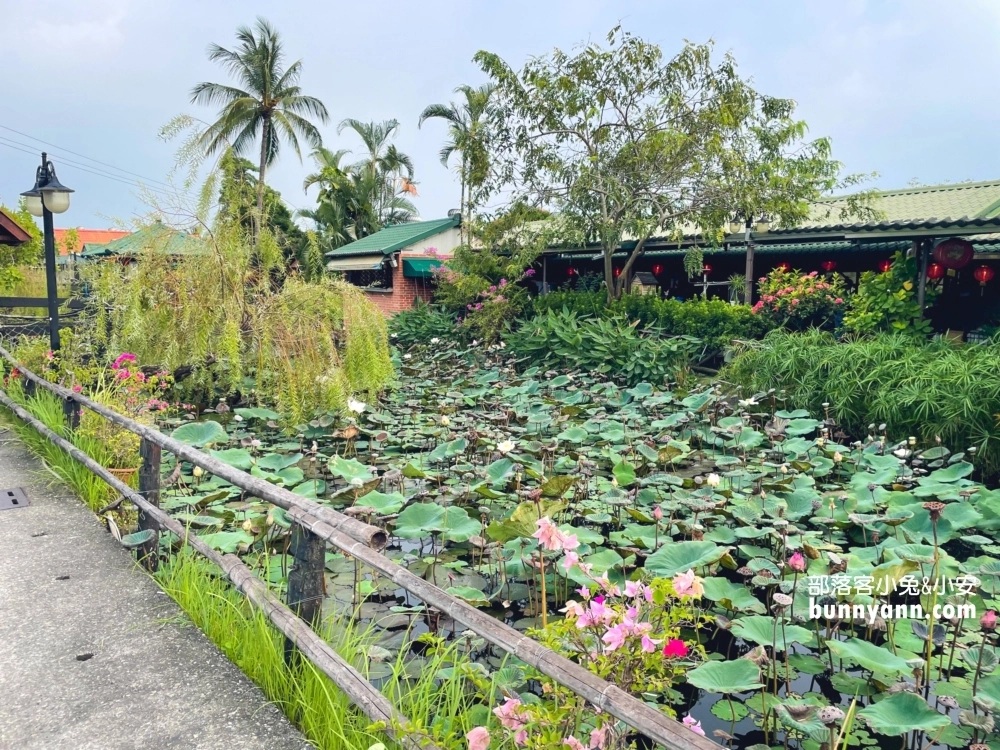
(932, 390)
(436, 707)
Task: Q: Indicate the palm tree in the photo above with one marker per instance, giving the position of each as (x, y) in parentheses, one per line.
(269, 106)
(466, 123)
(387, 170)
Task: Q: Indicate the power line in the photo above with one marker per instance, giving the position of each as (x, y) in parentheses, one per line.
(83, 156)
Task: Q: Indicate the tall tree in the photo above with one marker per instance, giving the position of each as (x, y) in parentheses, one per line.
(626, 145)
(267, 105)
(385, 170)
(344, 207)
(466, 123)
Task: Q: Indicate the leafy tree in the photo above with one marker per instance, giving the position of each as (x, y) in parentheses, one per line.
(270, 106)
(626, 145)
(386, 172)
(466, 125)
(344, 207)
(13, 256)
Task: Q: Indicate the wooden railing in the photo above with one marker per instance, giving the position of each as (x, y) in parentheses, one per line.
(314, 527)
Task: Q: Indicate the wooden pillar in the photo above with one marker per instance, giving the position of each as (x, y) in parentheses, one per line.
(29, 387)
(921, 252)
(149, 488)
(306, 585)
(71, 410)
(748, 291)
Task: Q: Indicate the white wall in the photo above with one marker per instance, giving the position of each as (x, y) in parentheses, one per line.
(446, 242)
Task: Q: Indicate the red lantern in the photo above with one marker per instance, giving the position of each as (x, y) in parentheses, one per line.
(618, 272)
(935, 271)
(885, 265)
(983, 274)
(706, 269)
(829, 265)
(571, 271)
(954, 253)
(657, 269)
(784, 266)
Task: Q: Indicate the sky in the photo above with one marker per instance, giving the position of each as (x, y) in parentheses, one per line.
(903, 89)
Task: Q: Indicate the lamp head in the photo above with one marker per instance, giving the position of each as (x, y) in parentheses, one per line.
(47, 191)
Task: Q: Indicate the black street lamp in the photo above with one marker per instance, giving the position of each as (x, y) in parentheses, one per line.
(47, 197)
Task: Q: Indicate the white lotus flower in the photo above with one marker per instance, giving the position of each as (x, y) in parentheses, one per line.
(357, 482)
(435, 340)
(838, 457)
(356, 406)
(237, 417)
(713, 480)
(406, 356)
(445, 421)
(506, 446)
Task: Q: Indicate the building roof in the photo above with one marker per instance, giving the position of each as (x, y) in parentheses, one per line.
(86, 237)
(157, 237)
(395, 237)
(11, 233)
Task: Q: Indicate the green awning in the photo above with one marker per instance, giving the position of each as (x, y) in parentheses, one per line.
(420, 268)
(357, 263)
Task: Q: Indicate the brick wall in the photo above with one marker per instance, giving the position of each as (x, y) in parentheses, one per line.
(404, 292)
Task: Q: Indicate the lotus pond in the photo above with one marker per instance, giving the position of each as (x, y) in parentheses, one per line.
(689, 545)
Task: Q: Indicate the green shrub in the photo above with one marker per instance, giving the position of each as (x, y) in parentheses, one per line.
(888, 301)
(929, 390)
(796, 300)
(610, 346)
(420, 324)
(714, 321)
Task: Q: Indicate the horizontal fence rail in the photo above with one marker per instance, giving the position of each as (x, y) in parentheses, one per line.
(362, 542)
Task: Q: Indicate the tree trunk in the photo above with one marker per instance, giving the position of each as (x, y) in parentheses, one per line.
(259, 217)
(609, 275)
(462, 202)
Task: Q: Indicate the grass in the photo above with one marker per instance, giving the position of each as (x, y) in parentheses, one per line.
(437, 707)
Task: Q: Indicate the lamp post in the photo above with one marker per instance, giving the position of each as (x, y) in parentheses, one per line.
(47, 197)
(749, 226)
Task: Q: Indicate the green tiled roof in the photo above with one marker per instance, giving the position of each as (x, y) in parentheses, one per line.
(156, 237)
(394, 238)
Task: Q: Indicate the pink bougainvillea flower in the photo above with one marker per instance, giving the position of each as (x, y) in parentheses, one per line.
(599, 598)
(598, 738)
(649, 645)
(570, 560)
(510, 714)
(693, 724)
(615, 637)
(548, 535)
(633, 588)
(478, 738)
(569, 541)
(584, 592)
(573, 609)
(688, 584)
(521, 737)
(675, 648)
(574, 744)
(797, 562)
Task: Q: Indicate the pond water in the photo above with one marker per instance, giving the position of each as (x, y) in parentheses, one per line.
(766, 504)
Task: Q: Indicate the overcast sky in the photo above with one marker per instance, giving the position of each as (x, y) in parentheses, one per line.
(905, 89)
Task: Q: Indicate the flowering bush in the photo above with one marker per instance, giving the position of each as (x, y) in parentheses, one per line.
(627, 634)
(797, 301)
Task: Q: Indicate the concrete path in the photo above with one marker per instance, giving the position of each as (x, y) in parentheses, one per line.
(68, 589)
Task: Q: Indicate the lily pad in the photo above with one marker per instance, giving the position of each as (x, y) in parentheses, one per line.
(726, 677)
(200, 434)
(901, 713)
(680, 557)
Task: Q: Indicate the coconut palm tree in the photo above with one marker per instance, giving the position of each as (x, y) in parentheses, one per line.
(267, 104)
(466, 122)
(385, 169)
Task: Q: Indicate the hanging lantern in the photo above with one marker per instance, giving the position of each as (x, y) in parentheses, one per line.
(784, 266)
(983, 274)
(618, 272)
(657, 269)
(953, 253)
(706, 269)
(935, 271)
(885, 265)
(571, 271)
(829, 265)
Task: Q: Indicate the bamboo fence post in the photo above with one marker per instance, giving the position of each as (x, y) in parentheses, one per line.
(306, 585)
(149, 488)
(71, 410)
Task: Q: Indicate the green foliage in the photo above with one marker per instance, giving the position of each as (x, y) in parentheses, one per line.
(794, 300)
(694, 262)
(930, 390)
(888, 301)
(610, 346)
(420, 324)
(630, 144)
(716, 322)
(13, 256)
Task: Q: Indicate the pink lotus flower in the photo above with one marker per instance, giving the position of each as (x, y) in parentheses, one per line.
(657, 513)
(675, 648)
(797, 562)
(509, 714)
(693, 725)
(989, 620)
(478, 738)
(574, 744)
(688, 584)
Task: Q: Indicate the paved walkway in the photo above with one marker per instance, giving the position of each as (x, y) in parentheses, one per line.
(68, 589)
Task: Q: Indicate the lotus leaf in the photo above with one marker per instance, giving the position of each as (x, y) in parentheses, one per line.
(869, 656)
(349, 469)
(238, 458)
(901, 713)
(726, 677)
(679, 557)
(200, 434)
(383, 504)
(766, 631)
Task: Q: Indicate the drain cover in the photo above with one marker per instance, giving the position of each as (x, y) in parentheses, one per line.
(14, 498)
